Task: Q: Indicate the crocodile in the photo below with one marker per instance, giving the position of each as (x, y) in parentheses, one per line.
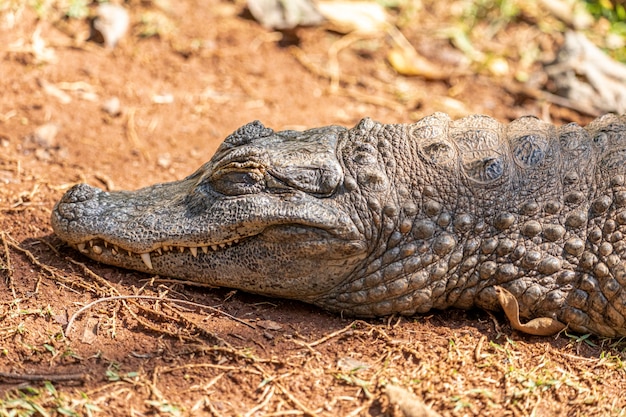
(385, 219)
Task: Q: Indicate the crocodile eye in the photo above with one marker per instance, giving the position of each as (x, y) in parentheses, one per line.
(238, 178)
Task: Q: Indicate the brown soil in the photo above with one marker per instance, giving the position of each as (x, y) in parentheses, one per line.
(141, 357)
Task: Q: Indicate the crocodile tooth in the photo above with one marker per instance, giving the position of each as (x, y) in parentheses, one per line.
(97, 249)
(91, 243)
(160, 251)
(236, 241)
(181, 249)
(129, 253)
(205, 249)
(222, 245)
(81, 247)
(194, 251)
(145, 257)
(114, 251)
(214, 247)
(106, 245)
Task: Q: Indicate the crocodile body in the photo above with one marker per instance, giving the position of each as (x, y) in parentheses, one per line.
(382, 219)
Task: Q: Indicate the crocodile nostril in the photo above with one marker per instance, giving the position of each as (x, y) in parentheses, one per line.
(80, 193)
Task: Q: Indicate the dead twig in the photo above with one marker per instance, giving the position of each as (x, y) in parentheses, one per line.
(479, 347)
(333, 334)
(268, 394)
(295, 401)
(95, 276)
(201, 328)
(34, 261)
(57, 276)
(7, 265)
(333, 55)
(131, 133)
(44, 377)
(153, 298)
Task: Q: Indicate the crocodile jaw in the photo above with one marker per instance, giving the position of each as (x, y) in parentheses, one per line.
(222, 241)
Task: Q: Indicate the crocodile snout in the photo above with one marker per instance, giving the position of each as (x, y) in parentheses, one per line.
(80, 202)
(79, 194)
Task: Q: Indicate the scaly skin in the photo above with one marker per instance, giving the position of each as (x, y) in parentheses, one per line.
(383, 219)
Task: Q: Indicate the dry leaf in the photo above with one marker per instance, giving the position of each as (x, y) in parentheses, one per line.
(408, 403)
(350, 16)
(409, 62)
(269, 325)
(542, 326)
(54, 91)
(90, 333)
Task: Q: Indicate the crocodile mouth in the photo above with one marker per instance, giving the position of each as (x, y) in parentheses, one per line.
(99, 248)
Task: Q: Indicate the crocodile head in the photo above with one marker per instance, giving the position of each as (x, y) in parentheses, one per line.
(267, 214)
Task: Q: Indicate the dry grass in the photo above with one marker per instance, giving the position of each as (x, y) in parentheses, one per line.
(461, 372)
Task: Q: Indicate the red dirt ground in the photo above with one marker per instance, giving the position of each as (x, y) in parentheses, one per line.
(138, 357)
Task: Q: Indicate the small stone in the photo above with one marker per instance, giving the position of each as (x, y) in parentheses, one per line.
(164, 160)
(44, 136)
(110, 24)
(281, 15)
(42, 155)
(112, 106)
(164, 98)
